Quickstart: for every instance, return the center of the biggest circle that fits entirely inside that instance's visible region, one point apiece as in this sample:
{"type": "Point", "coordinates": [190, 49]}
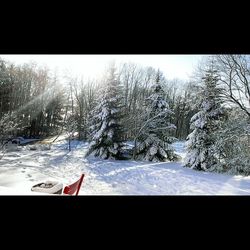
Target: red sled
{"type": "Point", "coordinates": [74, 188]}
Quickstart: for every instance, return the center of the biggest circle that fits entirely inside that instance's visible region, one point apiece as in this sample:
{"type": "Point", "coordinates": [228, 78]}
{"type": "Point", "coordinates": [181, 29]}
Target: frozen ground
{"type": "Point", "coordinates": [22, 168]}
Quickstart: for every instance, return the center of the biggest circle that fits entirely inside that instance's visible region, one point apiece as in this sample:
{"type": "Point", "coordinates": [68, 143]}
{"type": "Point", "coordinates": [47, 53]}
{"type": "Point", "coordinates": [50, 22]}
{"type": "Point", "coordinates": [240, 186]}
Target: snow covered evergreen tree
{"type": "Point", "coordinates": [201, 154]}
{"type": "Point", "coordinates": [153, 137]}
{"type": "Point", "coordinates": [106, 131]}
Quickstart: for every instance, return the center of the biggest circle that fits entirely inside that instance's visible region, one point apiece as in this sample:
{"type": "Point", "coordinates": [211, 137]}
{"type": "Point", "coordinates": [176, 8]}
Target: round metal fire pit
{"type": "Point", "coordinates": [50, 187]}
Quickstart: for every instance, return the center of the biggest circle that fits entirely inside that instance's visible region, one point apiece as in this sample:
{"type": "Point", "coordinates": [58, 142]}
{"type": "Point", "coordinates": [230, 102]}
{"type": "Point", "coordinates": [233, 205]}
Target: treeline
{"type": "Point", "coordinates": [31, 100]}
{"type": "Point", "coordinates": [135, 84]}
{"type": "Point", "coordinates": [35, 103]}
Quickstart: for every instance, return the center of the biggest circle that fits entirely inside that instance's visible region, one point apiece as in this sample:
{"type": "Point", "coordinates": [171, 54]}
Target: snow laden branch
{"type": "Point", "coordinates": [145, 124]}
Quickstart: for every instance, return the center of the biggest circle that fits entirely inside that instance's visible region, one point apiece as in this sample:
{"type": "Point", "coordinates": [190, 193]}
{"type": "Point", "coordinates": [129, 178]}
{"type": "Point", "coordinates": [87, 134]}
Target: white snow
{"type": "Point", "coordinates": [20, 170]}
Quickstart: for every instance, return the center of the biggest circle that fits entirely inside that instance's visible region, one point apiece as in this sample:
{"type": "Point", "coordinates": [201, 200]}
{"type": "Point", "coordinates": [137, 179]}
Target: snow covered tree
{"type": "Point", "coordinates": [200, 151]}
{"type": "Point", "coordinates": [233, 143]}
{"type": "Point", "coordinates": [106, 131]}
{"type": "Point", "coordinates": [154, 141]}
{"type": "Point", "coordinates": [8, 127]}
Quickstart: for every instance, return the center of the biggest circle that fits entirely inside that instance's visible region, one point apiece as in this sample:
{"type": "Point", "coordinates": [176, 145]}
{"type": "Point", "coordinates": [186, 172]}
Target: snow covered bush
{"type": "Point", "coordinates": [33, 147]}
{"type": "Point", "coordinates": [45, 147]}
{"type": "Point", "coordinates": [8, 126]}
{"type": "Point", "coordinates": [10, 147]}
{"type": "Point", "coordinates": [233, 144]}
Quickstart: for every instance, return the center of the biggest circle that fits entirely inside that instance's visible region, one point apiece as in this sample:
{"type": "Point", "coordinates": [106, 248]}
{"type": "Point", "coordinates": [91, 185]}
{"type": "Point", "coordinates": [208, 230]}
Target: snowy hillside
{"type": "Point", "coordinates": [23, 168]}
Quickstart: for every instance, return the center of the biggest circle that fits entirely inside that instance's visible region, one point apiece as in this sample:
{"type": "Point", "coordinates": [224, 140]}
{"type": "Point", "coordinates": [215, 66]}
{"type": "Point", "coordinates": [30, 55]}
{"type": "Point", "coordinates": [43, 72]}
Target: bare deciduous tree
{"type": "Point", "coordinates": [235, 80]}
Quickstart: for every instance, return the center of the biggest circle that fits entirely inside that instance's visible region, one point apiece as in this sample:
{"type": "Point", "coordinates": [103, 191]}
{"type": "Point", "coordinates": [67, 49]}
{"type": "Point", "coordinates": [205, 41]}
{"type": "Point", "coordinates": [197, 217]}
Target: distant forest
{"type": "Point", "coordinates": [34, 103]}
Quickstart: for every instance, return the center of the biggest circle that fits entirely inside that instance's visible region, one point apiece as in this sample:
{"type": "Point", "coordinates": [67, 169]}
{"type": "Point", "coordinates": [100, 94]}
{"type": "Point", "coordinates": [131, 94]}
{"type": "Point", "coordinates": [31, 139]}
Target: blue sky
{"type": "Point", "coordinates": [173, 66]}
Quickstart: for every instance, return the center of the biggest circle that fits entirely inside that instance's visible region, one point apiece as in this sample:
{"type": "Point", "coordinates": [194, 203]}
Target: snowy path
{"type": "Point", "coordinates": [22, 169]}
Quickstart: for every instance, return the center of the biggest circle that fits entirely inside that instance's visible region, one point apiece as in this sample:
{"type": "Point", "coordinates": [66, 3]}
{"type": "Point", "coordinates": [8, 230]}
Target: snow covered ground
{"type": "Point", "coordinates": [21, 169]}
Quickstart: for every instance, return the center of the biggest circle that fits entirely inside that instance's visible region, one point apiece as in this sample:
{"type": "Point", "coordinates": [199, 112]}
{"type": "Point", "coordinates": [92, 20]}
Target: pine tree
{"type": "Point", "coordinates": [106, 131]}
{"type": "Point", "coordinates": [201, 154]}
{"type": "Point", "coordinates": [154, 139]}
